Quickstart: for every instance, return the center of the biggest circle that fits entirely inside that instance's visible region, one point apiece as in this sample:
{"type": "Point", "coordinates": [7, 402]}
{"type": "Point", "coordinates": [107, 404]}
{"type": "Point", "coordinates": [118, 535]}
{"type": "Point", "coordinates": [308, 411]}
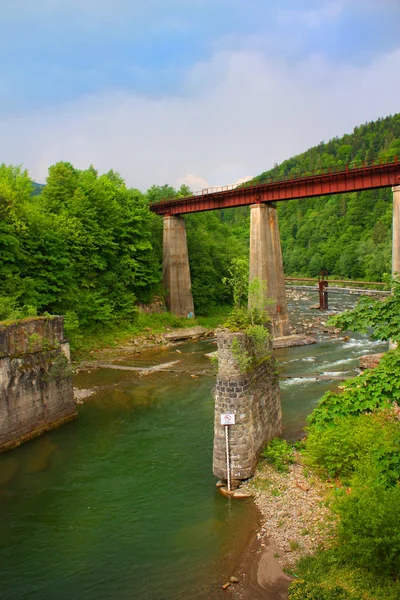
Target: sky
{"type": "Point", "coordinates": [201, 92]}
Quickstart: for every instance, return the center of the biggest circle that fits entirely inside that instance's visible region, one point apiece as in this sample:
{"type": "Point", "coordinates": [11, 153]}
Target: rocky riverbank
{"type": "Point", "coordinates": [145, 341]}
{"type": "Point", "coordinates": [306, 326]}
{"type": "Point", "coordinates": [295, 520]}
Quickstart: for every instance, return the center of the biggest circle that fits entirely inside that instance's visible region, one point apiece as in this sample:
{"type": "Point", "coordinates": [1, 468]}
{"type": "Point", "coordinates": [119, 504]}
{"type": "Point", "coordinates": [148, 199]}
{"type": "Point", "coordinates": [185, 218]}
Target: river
{"type": "Point", "coordinates": [121, 504]}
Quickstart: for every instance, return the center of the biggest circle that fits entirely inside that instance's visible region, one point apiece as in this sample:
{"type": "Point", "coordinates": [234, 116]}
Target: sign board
{"type": "Point", "coordinates": [227, 419]}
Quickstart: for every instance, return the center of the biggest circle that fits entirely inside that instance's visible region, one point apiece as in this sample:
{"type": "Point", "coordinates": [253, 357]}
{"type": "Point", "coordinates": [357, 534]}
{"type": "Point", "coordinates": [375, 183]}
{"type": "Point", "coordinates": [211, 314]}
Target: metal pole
{"type": "Point", "coordinates": [228, 470]}
{"type": "Point", "coordinates": [326, 296]}
{"type": "Point", "coordinates": [321, 294]}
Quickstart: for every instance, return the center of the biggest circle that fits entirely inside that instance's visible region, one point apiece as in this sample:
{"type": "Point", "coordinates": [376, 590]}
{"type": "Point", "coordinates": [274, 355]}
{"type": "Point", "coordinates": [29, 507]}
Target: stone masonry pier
{"type": "Point", "coordinates": [253, 397]}
{"type": "Point", "coordinates": [36, 392]}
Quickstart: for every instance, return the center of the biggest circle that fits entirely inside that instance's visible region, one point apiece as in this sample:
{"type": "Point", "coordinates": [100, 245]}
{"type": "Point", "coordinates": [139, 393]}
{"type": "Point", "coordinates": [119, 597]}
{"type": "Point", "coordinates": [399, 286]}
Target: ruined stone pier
{"type": "Point", "coordinates": [36, 392]}
{"type": "Point", "coordinates": [253, 397]}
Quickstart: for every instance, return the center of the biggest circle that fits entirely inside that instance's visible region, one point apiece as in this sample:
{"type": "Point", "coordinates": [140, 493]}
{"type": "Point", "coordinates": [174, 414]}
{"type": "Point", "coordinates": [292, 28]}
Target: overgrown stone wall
{"type": "Point", "coordinates": [36, 392]}
{"type": "Point", "coordinates": [253, 397]}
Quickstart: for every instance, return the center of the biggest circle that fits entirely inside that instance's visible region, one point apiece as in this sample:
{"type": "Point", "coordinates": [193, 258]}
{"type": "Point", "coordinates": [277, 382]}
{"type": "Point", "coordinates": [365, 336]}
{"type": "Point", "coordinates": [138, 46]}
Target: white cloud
{"type": "Point", "coordinates": [255, 113]}
{"type": "Point", "coordinates": [311, 18]}
{"type": "Point", "coordinates": [193, 181]}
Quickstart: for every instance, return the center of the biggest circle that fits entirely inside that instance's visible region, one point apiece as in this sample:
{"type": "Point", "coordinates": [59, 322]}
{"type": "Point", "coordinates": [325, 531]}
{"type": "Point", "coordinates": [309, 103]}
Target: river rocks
{"type": "Point", "coordinates": [288, 341]}
{"type": "Point", "coordinates": [370, 361]}
{"type": "Point", "coordinates": [80, 394]}
{"type": "Point", "coordinates": [293, 509]}
{"type": "Point", "coordinates": [189, 333]}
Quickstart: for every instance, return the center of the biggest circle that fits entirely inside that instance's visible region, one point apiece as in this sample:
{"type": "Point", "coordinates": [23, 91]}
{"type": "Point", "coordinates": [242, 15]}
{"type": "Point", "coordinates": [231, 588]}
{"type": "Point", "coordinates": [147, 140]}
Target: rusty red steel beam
{"type": "Point", "coordinates": [366, 177]}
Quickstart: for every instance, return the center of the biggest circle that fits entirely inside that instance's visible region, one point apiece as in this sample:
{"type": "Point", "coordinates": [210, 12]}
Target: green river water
{"type": "Point", "coordinates": [121, 504]}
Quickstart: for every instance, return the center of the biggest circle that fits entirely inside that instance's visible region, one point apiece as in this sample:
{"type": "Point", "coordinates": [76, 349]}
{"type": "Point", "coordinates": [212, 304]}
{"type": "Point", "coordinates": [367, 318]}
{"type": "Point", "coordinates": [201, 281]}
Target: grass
{"type": "Point", "coordinates": [325, 573]}
{"type": "Point", "coordinates": [294, 545]}
{"type": "Point", "coordinates": [84, 344]}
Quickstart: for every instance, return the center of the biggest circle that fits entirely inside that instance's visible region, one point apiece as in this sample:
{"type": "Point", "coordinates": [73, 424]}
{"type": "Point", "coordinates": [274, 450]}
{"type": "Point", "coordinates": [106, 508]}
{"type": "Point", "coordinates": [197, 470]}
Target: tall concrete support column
{"type": "Point", "coordinates": [266, 263]}
{"type": "Point", "coordinates": [396, 232]}
{"type": "Point", "coordinates": [395, 243]}
{"type": "Point", "coordinates": [176, 271]}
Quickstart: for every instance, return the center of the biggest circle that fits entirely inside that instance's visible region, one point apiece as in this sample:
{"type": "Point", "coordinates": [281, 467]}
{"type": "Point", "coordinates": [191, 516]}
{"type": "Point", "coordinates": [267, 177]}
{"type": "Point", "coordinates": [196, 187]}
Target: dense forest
{"type": "Point", "coordinates": [87, 246]}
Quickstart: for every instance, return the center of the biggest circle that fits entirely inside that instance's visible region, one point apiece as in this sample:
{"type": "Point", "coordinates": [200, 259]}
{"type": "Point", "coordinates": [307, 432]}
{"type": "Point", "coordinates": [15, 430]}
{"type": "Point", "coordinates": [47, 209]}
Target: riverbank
{"type": "Point", "coordinates": [336, 506]}
{"type": "Point", "coordinates": [295, 520]}
{"type": "Point", "coordinates": [164, 330]}
{"type": "Point", "coordinates": [152, 329]}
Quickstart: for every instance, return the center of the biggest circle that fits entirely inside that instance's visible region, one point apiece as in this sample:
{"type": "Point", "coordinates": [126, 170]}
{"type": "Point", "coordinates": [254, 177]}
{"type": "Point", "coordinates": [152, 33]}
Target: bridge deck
{"type": "Point", "coordinates": [366, 177]}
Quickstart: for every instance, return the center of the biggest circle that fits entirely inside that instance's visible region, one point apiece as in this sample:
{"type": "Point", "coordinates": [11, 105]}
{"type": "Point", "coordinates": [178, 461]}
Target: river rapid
{"type": "Point", "coordinates": [121, 504]}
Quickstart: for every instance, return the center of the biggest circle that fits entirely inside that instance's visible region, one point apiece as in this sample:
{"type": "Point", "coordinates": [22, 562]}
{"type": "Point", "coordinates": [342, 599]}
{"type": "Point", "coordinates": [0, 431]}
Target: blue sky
{"type": "Point", "coordinates": [156, 89]}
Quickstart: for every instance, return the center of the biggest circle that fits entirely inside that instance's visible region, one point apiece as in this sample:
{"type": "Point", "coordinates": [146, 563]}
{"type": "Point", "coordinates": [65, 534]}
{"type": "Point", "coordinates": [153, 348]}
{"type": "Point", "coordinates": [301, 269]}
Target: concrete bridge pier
{"type": "Point", "coordinates": [266, 263]}
{"type": "Point", "coordinates": [176, 271]}
{"type": "Point", "coordinates": [396, 232]}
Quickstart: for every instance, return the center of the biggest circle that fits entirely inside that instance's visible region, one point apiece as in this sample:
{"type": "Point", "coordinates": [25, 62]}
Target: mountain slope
{"type": "Point", "coordinates": [349, 234]}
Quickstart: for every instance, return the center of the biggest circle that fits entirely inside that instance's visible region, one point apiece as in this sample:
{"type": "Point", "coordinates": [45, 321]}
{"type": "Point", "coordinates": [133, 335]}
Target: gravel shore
{"type": "Point", "coordinates": [294, 511]}
{"type": "Point", "coordinates": [295, 521]}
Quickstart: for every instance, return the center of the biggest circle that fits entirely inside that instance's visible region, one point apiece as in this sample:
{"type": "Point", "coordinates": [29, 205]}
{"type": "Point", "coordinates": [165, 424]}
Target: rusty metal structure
{"type": "Point", "coordinates": [323, 290]}
{"type": "Point", "coordinates": [344, 281]}
{"type": "Point", "coordinates": [353, 178]}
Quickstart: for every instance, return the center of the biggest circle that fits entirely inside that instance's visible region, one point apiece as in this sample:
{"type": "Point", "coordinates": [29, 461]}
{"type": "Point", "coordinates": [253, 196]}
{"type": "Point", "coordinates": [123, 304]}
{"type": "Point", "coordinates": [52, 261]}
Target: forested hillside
{"type": "Point", "coordinates": [349, 235]}
{"type": "Point", "coordinates": [86, 246]}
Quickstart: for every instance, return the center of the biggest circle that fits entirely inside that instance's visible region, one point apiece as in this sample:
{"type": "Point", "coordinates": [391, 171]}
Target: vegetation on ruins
{"type": "Point", "coordinates": [248, 315]}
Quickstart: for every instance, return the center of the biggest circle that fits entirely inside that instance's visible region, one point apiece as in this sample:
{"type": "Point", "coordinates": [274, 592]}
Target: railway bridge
{"type": "Point", "coordinates": [265, 247]}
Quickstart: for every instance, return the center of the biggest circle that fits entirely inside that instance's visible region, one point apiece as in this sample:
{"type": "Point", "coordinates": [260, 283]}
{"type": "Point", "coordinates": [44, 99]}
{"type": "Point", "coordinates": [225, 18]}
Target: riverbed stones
{"type": "Point", "coordinates": [370, 361]}
{"type": "Point", "coordinates": [289, 341]}
{"type": "Point", "coordinates": [294, 510]}
{"type": "Point", "coordinates": [188, 333]}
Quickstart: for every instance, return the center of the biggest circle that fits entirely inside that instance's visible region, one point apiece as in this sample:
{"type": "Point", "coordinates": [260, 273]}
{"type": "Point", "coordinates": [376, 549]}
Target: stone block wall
{"type": "Point", "coordinates": [254, 399]}
{"type": "Point", "coordinates": [36, 392]}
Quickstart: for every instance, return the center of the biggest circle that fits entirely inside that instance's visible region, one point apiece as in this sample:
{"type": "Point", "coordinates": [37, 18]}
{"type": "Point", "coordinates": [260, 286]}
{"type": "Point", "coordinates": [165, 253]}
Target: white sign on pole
{"type": "Point", "coordinates": [227, 419]}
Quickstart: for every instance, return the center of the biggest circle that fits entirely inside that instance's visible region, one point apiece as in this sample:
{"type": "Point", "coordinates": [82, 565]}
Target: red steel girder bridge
{"type": "Point", "coordinates": [356, 178]}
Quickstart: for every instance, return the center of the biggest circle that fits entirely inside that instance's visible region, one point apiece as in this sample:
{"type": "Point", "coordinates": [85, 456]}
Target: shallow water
{"type": "Point", "coordinates": [301, 367]}
{"type": "Point", "coordinates": [121, 504]}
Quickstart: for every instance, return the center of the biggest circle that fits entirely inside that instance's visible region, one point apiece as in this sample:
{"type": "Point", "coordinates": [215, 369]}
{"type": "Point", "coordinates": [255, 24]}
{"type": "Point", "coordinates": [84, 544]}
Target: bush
{"type": "Point", "coordinates": [329, 576]}
{"type": "Point", "coordinates": [339, 449]}
{"type": "Point", "coordinates": [373, 390]}
{"type": "Point", "coordinates": [279, 454]}
{"type": "Point", "coordinates": [368, 531]}
{"type": "Point", "coordinates": [10, 310]}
